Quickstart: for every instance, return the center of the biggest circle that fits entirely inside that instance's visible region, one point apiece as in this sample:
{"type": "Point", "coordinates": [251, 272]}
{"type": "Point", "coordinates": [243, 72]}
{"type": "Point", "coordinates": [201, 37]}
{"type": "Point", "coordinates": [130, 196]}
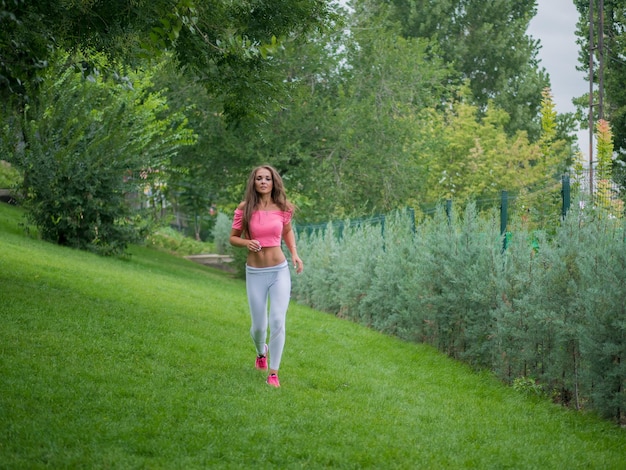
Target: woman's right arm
{"type": "Point", "coordinates": [236, 240]}
{"type": "Point", "coordinates": [237, 228]}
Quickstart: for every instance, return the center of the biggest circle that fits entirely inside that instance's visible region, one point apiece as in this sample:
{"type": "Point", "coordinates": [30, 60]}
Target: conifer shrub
{"type": "Point", "coordinates": [544, 309]}
{"type": "Point", "coordinates": [457, 282]}
{"type": "Point", "coordinates": [221, 234]}
{"type": "Point", "coordinates": [317, 285]}
{"type": "Point", "coordinates": [601, 268]}
{"type": "Point", "coordinates": [389, 303]}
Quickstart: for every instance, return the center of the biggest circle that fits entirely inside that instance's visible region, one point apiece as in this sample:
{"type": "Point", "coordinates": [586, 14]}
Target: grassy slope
{"type": "Point", "coordinates": [147, 363]}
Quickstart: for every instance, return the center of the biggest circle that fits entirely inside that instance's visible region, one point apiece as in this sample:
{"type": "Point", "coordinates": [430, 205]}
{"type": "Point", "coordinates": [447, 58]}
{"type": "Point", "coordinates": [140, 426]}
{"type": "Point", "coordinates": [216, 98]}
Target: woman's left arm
{"type": "Point", "coordinates": [290, 241]}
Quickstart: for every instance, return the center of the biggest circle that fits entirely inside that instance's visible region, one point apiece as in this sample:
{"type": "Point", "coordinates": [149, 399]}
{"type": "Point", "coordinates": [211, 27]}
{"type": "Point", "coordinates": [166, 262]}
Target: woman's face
{"type": "Point", "coordinates": [263, 182]}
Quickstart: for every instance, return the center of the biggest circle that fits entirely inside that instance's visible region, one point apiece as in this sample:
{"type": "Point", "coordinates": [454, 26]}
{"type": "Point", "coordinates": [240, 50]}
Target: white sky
{"type": "Point", "coordinates": [555, 26]}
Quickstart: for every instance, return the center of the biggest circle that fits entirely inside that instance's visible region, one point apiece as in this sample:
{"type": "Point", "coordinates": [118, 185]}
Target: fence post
{"type": "Point", "coordinates": [449, 209]}
{"type": "Point", "coordinates": [565, 195]}
{"type": "Point", "coordinates": [504, 207]}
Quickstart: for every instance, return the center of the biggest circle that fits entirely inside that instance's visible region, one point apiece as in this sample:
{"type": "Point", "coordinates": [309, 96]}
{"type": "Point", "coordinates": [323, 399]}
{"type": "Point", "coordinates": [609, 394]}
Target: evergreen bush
{"type": "Point", "coordinates": [221, 234]}
{"type": "Point", "coordinates": [547, 310]}
{"type": "Point", "coordinates": [318, 282]}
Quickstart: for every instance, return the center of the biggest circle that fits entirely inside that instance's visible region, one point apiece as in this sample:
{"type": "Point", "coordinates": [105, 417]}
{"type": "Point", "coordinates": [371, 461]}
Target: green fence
{"type": "Point", "coordinates": [607, 195]}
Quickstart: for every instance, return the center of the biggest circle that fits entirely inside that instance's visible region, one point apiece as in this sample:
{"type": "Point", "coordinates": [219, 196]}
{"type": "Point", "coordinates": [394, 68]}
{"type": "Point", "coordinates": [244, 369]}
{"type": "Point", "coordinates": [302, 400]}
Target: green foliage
{"type": "Point", "coordinates": [372, 169]}
{"type": "Point", "coordinates": [469, 158]}
{"type": "Point", "coordinates": [380, 121]}
{"type": "Point", "coordinates": [221, 234]}
{"type": "Point", "coordinates": [458, 284]}
{"type": "Point", "coordinates": [601, 280]}
{"type": "Point", "coordinates": [548, 308]}
{"type": "Point", "coordinates": [9, 176]}
{"type": "Point", "coordinates": [202, 175]}
{"type": "Point", "coordinates": [228, 43]}
{"type": "Point", "coordinates": [540, 194]}
{"type": "Point", "coordinates": [488, 47]}
{"type": "Point", "coordinates": [25, 47]}
{"type": "Point", "coordinates": [528, 386]}
{"type": "Point", "coordinates": [605, 194]}
{"type": "Point", "coordinates": [360, 118]}
{"type": "Point", "coordinates": [240, 256]}
{"type": "Point", "coordinates": [174, 242]}
{"type": "Point", "coordinates": [614, 70]}
{"type": "Point", "coordinates": [91, 147]}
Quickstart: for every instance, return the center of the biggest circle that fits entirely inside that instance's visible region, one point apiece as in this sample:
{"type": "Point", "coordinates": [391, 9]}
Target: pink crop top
{"type": "Point", "coordinates": [264, 226]}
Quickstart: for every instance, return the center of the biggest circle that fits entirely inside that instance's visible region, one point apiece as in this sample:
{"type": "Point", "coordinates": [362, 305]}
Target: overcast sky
{"type": "Point", "coordinates": [555, 26]}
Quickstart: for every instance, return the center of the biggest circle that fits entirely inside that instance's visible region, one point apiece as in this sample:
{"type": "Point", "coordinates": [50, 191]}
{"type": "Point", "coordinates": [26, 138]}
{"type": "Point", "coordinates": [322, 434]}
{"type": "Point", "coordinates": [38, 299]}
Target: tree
{"type": "Point", "coordinates": [225, 42]}
{"type": "Point", "coordinates": [342, 135]}
{"type": "Point", "coordinates": [613, 71]}
{"type": "Point", "coordinates": [372, 125]}
{"type": "Point", "coordinates": [488, 47]}
{"type": "Point", "coordinates": [92, 146]}
{"type": "Point", "coordinates": [605, 195]}
{"type": "Point", "coordinates": [201, 175]}
{"type": "Point", "coordinates": [223, 46]}
{"type": "Point", "coordinates": [469, 157]}
{"type": "Point", "coordinates": [542, 200]}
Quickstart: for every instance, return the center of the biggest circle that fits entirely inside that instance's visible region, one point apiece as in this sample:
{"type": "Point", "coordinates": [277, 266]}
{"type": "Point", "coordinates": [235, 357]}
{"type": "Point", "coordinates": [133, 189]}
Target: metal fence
{"type": "Point", "coordinates": [559, 195]}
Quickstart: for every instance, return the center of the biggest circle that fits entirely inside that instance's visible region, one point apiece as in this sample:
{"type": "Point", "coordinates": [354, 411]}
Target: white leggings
{"type": "Point", "coordinates": [272, 283]}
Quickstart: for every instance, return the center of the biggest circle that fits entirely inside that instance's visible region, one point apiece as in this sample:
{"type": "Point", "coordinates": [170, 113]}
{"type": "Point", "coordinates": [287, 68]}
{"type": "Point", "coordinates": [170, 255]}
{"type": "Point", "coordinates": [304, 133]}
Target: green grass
{"type": "Point", "coordinates": [147, 363]}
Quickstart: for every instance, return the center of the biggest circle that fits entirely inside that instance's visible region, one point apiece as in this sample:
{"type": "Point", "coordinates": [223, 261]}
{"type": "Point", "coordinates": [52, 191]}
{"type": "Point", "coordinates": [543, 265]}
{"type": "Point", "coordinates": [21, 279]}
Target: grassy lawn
{"type": "Point", "coordinates": [146, 362]}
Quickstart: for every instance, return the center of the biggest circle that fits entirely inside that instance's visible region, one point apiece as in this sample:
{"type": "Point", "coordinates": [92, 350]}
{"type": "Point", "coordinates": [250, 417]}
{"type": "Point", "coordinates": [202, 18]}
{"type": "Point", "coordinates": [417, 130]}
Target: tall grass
{"type": "Point", "coordinates": [146, 362]}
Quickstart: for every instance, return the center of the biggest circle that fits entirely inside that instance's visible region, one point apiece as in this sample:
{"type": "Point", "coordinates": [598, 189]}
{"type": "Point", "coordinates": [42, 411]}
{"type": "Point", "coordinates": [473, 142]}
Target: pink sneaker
{"type": "Point", "coordinates": [272, 380]}
{"type": "Point", "coordinates": [261, 361]}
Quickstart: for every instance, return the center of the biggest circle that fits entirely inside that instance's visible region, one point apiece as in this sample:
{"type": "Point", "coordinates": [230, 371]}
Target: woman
{"type": "Point", "coordinates": [261, 221]}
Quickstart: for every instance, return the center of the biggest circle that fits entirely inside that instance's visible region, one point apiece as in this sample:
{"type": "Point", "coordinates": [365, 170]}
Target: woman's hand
{"type": "Point", "coordinates": [254, 246]}
{"type": "Point", "coordinates": [297, 264]}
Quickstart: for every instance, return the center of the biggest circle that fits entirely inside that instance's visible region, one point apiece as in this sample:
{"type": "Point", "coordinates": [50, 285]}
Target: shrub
{"type": "Point", "coordinates": [551, 308]}
{"type": "Point", "coordinates": [174, 242]}
{"type": "Point", "coordinates": [91, 147]}
{"type": "Point", "coordinates": [9, 176]}
{"type": "Point", "coordinates": [221, 234]}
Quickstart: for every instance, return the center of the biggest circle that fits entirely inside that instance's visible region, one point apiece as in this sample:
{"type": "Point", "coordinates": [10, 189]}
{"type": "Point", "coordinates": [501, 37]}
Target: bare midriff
{"type": "Point", "coordinates": [266, 258]}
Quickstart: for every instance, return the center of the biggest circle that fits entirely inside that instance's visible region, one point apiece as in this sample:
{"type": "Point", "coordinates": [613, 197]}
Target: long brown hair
{"type": "Point", "coordinates": [252, 198]}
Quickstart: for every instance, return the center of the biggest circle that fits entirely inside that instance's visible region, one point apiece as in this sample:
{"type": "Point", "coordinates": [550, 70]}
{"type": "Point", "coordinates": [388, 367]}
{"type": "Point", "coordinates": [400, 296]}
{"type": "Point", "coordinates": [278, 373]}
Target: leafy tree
{"type": "Point", "coordinates": [370, 126]}
{"type": "Point", "coordinates": [466, 157]}
{"type": "Point", "coordinates": [469, 159]}
{"type": "Point", "coordinates": [342, 135]}
{"type": "Point", "coordinates": [91, 147]}
{"type": "Point", "coordinates": [198, 176]}
{"type": "Point", "coordinates": [488, 47]}
{"type": "Point", "coordinates": [391, 80]}
{"type": "Point", "coordinates": [9, 176]}
{"type": "Point", "coordinates": [223, 46]}
{"type": "Point", "coordinates": [541, 199]}
{"type": "Point", "coordinates": [614, 71]}
{"type": "Point", "coordinates": [225, 42]}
